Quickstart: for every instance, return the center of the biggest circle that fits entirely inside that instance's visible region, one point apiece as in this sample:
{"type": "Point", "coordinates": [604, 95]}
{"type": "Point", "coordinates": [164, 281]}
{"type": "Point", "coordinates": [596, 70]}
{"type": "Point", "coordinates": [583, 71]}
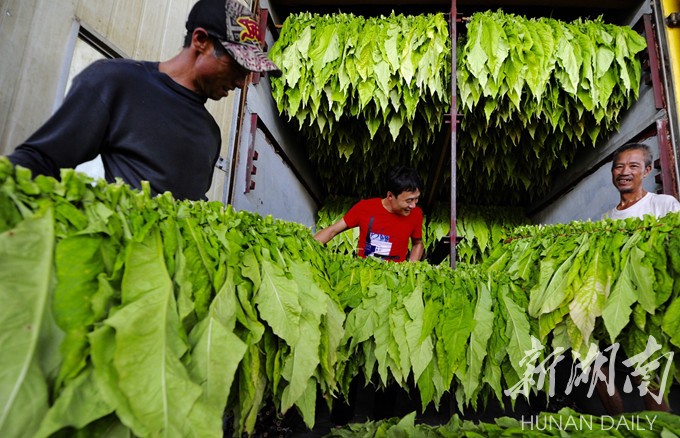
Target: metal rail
{"type": "Point", "coordinates": [454, 111]}
{"type": "Point", "coordinates": [654, 67]}
{"type": "Point", "coordinates": [668, 177]}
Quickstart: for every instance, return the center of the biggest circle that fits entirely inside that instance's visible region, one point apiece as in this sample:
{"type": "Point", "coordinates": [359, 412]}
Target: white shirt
{"type": "Point", "coordinates": [651, 203]}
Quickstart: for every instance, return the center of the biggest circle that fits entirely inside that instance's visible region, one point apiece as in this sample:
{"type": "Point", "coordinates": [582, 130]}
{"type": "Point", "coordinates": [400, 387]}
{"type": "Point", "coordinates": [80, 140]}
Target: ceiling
{"type": "Point", "coordinates": [614, 10]}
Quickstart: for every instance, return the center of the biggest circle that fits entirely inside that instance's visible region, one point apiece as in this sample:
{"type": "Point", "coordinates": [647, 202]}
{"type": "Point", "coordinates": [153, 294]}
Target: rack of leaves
{"type": "Point", "coordinates": [480, 228]}
{"type": "Point", "coordinates": [368, 93]}
{"type": "Point", "coordinates": [608, 281]}
{"type": "Point", "coordinates": [533, 92]}
{"type": "Point", "coordinates": [444, 330]}
{"type": "Point", "coordinates": [566, 422]}
{"type": "Point", "coordinates": [131, 314]}
{"type": "Point", "coordinates": [127, 313]}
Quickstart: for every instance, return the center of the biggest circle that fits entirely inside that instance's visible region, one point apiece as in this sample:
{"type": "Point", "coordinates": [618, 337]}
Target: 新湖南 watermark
{"type": "Point", "coordinates": [590, 370]}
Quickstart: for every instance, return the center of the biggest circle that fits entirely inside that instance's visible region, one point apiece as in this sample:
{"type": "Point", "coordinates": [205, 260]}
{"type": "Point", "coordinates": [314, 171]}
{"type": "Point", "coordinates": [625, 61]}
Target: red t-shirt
{"type": "Point", "coordinates": [390, 232]}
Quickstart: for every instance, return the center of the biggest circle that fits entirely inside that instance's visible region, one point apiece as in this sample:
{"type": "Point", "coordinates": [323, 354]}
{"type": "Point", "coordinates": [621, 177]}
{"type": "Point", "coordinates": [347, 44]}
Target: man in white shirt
{"type": "Point", "coordinates": [631, 164]}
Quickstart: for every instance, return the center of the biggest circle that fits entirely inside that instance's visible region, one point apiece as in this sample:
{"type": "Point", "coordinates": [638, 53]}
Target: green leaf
{"type": "Point", "coordinates": [398, 353]}
{"type": "Point", "coordinates": [23, 385]}
{"type": "Point", "coordinates": [453, 332]}
{"type": "Point", "coordinates": [589, 300]}
{"type": "Point", "coordinates": [421, 351]}
{"type": "Point", "coordinates": [518, 332]}
{"type": "Point", "coordinates": [617, 309]}
{"type": "Point", "coordinates": [481, 333]}
{"type": "Point", "coordinates": [252, 384]}
{"type": "Point", "coordinates": [216, 351]}
{"type": "Point", "coordinates": [304, 356]}
{"type": "Point", "coordinates": [147, 337]}
{"type": "Point", "coordinates": [79, 404]}
{"type": "Point", "coordinates": [278, 302]}
{"type": "Point", "coordinates": [103, 345]}
{"type": "Point", "coordinates": [78, 262]}
{"type": "Point", "coordinates": [307, 403]}
{"type": "Point", "coordinates": [569, 75]}
{"type": "Point", "coordinates": [671, 322]}
{"type": "Point", "coordinates": [644, 277]}
{"type": "Point", "coordinates": [333, 331]}
{"type": "Point", "coordinates": [377, 316]}
{"type": "Point", "coordinates": [476, 56]}
{"type": "Point", "coordinates": [550, 293]}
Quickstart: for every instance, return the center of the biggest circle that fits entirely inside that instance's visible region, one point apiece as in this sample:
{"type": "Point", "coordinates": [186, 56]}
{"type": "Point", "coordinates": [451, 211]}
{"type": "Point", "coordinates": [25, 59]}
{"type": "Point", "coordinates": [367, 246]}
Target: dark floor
{"type": "Point", "coordinates": [367, 404]}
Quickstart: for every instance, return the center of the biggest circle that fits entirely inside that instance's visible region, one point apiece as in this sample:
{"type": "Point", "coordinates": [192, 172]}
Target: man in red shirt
{"type": "Point", "coordinates": [386, 224]}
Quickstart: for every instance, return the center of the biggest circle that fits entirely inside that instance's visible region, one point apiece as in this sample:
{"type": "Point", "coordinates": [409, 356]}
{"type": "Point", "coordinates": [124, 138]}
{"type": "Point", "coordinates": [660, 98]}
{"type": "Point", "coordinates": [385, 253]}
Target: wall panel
{"type": "Point", "coordinates": [173, 30]}
{"type": "Point", "coordinates": [125, 23]}
{"type": "Point", "coordinates": [33, 44]}
{"type": "Point", "coordinates": [149, 34]}
{"type": "Point", "coordinates": [96, 13]}
{"type": "Point", "coordinates": [15, 24]}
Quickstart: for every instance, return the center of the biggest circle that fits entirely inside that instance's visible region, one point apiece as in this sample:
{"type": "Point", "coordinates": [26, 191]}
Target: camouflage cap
{"type": "Point", "coordinates": [236, 28]}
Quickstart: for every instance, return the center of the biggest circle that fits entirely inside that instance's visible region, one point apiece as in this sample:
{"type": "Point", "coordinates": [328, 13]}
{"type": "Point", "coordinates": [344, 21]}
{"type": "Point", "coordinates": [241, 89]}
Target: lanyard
{"type": "Point", "coordinates": [368, 243]}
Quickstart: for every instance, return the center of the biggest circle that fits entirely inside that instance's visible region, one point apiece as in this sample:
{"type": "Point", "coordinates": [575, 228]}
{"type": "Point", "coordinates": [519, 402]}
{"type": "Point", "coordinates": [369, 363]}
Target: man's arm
{"type": "Point", "coordinates": [70, 136]}
{"type": "Point", "coordinates": [35, 161]}
{"type": "Point", "coordinates": [417, 249]}
{"type": "Point", "coordinates": [328, 233]}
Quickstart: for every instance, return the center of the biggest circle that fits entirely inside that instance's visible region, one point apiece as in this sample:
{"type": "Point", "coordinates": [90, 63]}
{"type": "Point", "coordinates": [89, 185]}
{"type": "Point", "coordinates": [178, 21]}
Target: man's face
{"type": "Point", "coordinates": [219, 73]}
{"type": "Point", "coordinates": [628, 171]}
{"type": "Point", "coordinates": [404, 202]}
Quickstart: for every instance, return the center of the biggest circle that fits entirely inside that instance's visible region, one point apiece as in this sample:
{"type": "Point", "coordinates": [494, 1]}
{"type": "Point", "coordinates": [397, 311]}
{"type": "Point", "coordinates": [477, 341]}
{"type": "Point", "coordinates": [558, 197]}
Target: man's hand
{"type": "Point", "coordinates": [328, 233]}
{"type": "Point", "coordinates": [417, 249]}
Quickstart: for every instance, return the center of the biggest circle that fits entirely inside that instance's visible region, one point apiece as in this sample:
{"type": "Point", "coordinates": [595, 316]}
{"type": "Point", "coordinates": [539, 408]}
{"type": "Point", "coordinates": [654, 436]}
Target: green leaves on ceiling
{"type": "Point", "coordinates": [368, 93]}
{"type": "Point", "coordinates": [533, 92]}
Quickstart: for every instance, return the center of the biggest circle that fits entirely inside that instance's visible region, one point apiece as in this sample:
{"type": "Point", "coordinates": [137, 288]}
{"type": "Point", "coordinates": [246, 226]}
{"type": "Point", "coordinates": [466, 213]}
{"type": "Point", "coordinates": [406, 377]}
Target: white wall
{"type": "Point", "coordinates": [594, 194]}
{"type": "Point", "coordinates": [279, 188]}
{"type": "Point", "coordinates": [588, 200]}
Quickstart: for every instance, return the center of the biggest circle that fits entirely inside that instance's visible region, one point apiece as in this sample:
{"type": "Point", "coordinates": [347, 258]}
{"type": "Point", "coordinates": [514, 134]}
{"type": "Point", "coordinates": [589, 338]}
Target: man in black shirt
{"type": "Point", "coordinates": [148, 120]}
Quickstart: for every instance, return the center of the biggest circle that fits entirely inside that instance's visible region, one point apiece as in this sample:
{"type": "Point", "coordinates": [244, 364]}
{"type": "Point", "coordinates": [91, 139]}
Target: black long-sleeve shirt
{"type": "Point", "coordinates": [144, 124]}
